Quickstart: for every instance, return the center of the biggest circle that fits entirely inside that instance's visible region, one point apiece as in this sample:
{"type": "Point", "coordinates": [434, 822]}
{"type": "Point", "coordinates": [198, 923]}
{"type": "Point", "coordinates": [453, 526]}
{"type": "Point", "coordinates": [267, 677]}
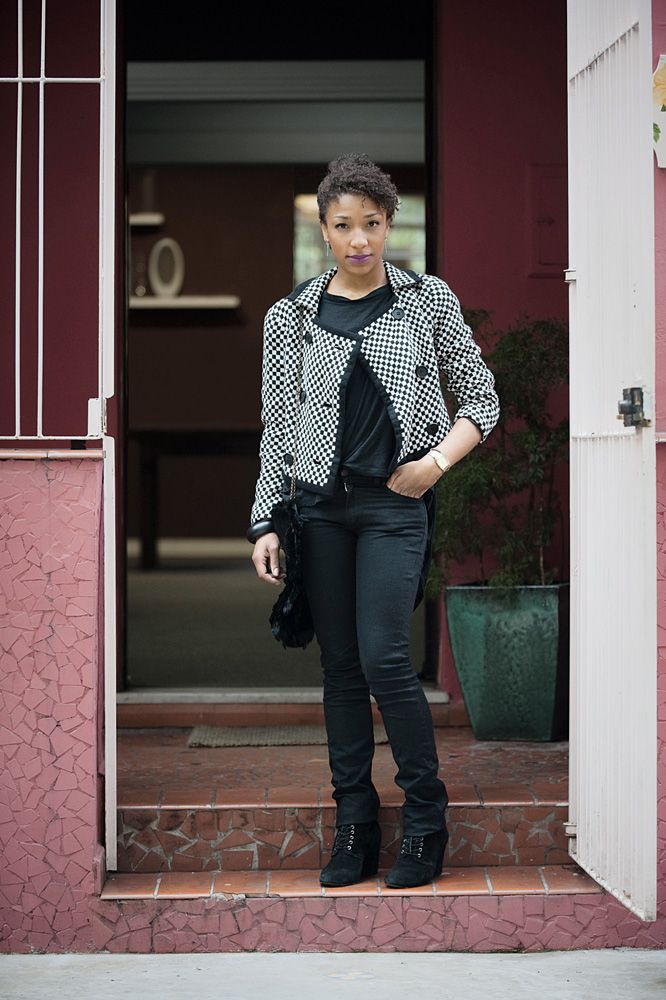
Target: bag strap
{"type": "Point", "coordinates": [299, 382]}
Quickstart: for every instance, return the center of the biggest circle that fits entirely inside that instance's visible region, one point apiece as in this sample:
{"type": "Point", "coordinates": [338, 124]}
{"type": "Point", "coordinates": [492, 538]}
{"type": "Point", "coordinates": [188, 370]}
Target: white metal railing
{"type": "Point", "coordinates": [96, 422]}
{"type": "Point", "coordinates": [105, 81]}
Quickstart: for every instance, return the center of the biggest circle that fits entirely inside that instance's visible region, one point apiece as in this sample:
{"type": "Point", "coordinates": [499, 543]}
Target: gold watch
{"type": "Point", "coordinates": [441, 459]}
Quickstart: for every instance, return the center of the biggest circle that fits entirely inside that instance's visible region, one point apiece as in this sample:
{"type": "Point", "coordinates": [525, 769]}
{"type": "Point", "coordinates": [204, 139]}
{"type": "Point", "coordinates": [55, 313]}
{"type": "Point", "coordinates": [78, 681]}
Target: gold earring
{"type": "Point", "coordinates": [327, 246]}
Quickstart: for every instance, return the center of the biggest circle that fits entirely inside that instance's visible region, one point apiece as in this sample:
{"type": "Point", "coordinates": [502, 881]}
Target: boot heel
{"type": "Point", "coordinates": [371, 861]}
{"type": "Point", "coordinates": [440, 863]}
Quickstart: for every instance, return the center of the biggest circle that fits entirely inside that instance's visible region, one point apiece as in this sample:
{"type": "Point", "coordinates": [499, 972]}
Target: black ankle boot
{"type": "Point", "coordinates": [419, 861]}
{"type": "Point", "coordinates": [355, 854]}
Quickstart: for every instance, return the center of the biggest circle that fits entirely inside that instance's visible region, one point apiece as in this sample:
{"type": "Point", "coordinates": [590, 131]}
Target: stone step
{"type": "Point", "coordinates": [292, 829]}
{"type": "Point", "coordinates": [467, 909]}
{"type": "Point", "coordinates": [485, 880]}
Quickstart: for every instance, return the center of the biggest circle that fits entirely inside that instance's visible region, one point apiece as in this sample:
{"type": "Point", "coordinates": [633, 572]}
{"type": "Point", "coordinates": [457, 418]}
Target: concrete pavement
{"type": "Point", "coordinates": [622, 974]}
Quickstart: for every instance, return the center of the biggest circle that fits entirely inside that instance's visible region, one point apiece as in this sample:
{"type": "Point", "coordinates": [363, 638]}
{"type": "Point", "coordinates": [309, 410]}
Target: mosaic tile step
{"type": "Point", "coordinates": [487, 880]}
{"type": "Point", "coordinates": [235, 836]}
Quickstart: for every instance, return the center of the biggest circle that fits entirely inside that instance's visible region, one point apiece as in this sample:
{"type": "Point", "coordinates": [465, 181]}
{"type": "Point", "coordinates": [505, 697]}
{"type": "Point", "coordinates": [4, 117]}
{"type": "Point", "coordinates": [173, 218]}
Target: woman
{"type": "Point", "coordinates": [367, 440]}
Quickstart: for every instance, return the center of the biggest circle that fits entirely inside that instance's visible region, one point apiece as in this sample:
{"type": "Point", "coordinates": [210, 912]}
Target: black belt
{"type": "Point", "coordinates": [352, 479]}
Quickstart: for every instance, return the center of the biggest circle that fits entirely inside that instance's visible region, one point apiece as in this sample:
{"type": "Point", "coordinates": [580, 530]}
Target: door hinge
{"type": "Point", "coordinates": [635, 407]}
{"type": "Point", "coordinates": [96, 417]}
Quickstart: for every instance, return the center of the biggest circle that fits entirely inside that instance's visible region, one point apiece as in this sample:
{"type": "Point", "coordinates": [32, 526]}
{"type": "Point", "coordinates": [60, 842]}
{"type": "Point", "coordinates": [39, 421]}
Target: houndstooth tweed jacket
{"type": "Point", "coordinates": [405, 349]}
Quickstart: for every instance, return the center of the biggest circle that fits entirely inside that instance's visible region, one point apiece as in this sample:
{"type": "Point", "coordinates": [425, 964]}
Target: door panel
{"type": "Point", "coordinates": [613, 495]}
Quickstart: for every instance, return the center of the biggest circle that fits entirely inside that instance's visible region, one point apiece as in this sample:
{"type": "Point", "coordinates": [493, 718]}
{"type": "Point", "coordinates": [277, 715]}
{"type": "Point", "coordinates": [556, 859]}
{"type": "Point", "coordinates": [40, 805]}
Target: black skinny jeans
{"type": "Point", "coordinates": [362, 556]}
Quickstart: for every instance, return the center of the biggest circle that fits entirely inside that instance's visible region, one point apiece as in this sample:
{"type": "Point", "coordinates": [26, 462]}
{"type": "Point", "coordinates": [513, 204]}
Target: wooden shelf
{"type": "Point", "coordinates": [146, 219]}
{"type": "Point", "coordinates": [185, 302]}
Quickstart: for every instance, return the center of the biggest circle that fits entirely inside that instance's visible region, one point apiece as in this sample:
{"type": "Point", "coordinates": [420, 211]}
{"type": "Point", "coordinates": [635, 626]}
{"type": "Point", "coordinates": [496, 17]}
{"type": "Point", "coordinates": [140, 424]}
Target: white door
{"type": "Point", "coordinates": [613, 792]}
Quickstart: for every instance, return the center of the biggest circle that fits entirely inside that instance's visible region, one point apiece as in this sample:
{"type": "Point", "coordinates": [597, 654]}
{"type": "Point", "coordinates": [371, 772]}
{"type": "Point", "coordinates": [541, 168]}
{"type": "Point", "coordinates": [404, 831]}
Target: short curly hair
{"type": "Point", "coordinates": [355, 173]}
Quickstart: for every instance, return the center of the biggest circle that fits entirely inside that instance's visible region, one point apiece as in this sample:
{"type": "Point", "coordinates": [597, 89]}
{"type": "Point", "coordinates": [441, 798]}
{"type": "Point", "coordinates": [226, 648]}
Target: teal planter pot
{"type": "Point", "coordinates": [512, 657]}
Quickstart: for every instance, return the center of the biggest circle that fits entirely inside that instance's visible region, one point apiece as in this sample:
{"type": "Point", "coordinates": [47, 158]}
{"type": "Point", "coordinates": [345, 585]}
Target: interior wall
{"type": "Point", "coordinates": [202, 370]}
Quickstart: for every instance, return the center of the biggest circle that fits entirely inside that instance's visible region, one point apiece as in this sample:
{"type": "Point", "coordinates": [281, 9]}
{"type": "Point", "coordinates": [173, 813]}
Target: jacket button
{"type": "Point", "coordinates": [308, 338]}
{"type": "Point", "coordinates": [288, 458]}
{"type": "Point", "coordinates": [432, 428]}
{"type": "Point", "coordinates": [302, 396]}
{"type": "Point", "coordinates": [398, 313]}
{"type": "Point", "coordinates": [421, 371]}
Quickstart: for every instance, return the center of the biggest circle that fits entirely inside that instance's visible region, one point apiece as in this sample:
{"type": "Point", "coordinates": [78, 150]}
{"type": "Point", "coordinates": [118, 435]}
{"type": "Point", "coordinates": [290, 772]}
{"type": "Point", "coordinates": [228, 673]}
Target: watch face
{"type": "Point", "coordinates": [442, 460]}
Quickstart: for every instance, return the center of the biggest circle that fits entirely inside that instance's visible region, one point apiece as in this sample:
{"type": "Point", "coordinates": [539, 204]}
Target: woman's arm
{"type": "Point", "coordinates": [271, 448]}
{"type": "Point", "coordinates": [468, 378]}
{"type": "Point", "coordinates": [413, 478]}
{"type": "Point", "coordinates": [266, 558]}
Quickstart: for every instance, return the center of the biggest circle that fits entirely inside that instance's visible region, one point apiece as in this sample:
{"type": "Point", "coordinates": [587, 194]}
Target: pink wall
{"type": "Point", "coordinates": [659, 46]}
{"type": "Point", "coordinates": [502, 117]}
{"type": "Point", "coordinates": [49, 646]}
{"type": "Point", "coordinates": [502, 113]}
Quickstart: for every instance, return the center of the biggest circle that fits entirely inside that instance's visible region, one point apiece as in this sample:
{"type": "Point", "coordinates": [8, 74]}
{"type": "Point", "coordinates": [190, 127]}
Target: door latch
{"type": "Point", "coordinates": [634, 408]}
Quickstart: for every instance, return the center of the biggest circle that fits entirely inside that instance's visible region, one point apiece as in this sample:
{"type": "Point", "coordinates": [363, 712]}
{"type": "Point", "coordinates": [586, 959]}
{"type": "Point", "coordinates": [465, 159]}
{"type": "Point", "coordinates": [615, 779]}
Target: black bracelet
{"type": "Point", "coordinates": [258, 529]}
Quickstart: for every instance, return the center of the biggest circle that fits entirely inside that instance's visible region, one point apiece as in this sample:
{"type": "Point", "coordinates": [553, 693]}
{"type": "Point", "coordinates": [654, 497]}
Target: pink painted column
{"type": "Point", "coordinates": [50, 517]}
{"type": "Point", "coordinates": [659, 46]}
{"type": "Point", "coordinates": [493, 127]}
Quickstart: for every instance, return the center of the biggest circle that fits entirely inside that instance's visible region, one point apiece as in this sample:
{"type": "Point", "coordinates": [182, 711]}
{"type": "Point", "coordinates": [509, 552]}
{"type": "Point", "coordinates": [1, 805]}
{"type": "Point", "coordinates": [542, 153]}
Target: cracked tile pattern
{"type": "Point", "coordinates": [235, 839]}
{"type": "Point", "coordinates": [369, 923]}
{"type": "Point", "coordinates": [49, 546]}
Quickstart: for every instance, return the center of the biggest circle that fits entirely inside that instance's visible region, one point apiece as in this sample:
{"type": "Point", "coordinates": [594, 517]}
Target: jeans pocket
{"type": "Point", "coordinates": [403, 496]}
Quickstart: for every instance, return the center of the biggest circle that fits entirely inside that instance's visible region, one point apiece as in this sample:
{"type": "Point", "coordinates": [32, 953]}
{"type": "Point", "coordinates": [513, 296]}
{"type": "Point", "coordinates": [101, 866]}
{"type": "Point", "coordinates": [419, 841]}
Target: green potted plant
{"type": "Point", "coordinates": [498, 512]}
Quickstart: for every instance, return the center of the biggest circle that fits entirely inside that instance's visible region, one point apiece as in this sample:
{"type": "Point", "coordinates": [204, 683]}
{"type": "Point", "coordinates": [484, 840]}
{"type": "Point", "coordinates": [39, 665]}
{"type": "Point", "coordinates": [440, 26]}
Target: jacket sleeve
{"type": "Point", "coordinates": [271, 448]}
{"type": "Point", "coordinates": [459, 357]}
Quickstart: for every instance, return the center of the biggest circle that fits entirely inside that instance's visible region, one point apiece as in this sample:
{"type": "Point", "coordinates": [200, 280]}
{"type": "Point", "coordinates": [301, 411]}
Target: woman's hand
{"type": "Point", "coordinates": [413, 479]}
{"type": "Point", "coordinates": [266, 558]}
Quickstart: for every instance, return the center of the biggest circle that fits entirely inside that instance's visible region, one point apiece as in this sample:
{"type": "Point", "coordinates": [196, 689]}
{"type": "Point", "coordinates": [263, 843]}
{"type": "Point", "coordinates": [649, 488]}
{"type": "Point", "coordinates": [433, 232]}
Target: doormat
{"type": "Point", "coordinates": [264, 736]}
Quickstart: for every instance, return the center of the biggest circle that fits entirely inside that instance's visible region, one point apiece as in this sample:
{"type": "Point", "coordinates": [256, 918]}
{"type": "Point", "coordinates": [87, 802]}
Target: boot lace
{"type": "Point", "coordinates": [344, 838]}
{"type": "Point", "coordinates": [412, 845]}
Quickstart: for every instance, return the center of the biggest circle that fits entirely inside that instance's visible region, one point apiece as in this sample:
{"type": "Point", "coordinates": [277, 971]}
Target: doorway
{"type": "Point", "coordinates": [224, 141]}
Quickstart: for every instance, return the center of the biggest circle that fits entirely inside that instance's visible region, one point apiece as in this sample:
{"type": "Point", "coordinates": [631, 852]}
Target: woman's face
{"type": "Point", "coordinates": [356, 229]}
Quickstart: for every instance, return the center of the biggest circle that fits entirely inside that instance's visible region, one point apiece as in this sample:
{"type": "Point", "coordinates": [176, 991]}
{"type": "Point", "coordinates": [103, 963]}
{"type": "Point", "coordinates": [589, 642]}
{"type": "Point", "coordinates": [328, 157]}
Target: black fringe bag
{"type": "Point", "coordinates": [291, 620]}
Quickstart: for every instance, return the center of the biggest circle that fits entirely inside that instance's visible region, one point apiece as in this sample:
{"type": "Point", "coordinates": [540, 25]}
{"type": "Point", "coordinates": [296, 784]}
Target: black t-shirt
{"type": "Point", "coordinates": [368, 439]}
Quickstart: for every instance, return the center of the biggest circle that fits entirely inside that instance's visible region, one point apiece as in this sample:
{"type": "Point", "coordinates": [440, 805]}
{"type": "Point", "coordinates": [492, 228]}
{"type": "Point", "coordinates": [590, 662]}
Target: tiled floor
{"type": "Point", "coordinates": [155, 766]}
{"type": "Point", "coordinates": [482, 881]}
